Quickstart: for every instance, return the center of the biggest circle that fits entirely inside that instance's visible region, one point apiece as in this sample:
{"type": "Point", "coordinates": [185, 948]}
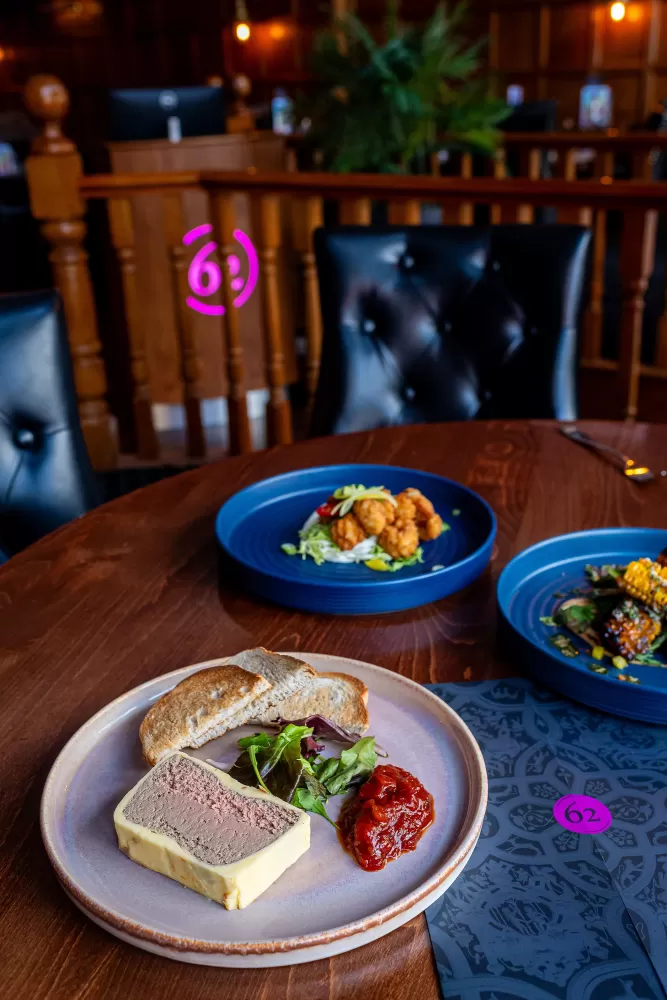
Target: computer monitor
{"type": "Point", "coordinates": [532, 116]}
{"type": "Point", "coordinates": [171, 113]}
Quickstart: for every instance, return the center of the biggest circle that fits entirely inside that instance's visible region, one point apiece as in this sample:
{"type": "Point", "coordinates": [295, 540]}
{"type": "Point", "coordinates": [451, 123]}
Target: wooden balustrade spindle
{"type": "Point", "coordinates": [567, 169]}
{"type": "Point", "coordinates": [309, 217]}
{"type": "Point", "coordinates": [531, 166]}
{"type": "Point", "coordinates": [279, 412]}
{"type": "Point", "coordinates": [404, 213]}
{"type": "Point", "coordinates": [637, 259]}
{"type": "Point", "coordinates": [122, 237]}
{"type": "Point", "coordinates": [175, 228]}
{"type": "Point", "coordinates": [355, 212]}
{"type": "Point", "coordinates": [466, 213]}
{"type": "Point", "coordinates": [224, 224]}
{"type": "Point", "coordinates": [642, 167]}
{"type": "Point", "coordinates": [53, 172]}
{"type": "Point", "coordinates": [499, 173]}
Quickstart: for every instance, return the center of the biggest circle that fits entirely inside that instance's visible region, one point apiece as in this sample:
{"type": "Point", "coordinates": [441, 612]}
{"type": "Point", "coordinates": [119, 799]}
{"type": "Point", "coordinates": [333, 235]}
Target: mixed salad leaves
{"type": "Point", "coordinates": [290, 764]}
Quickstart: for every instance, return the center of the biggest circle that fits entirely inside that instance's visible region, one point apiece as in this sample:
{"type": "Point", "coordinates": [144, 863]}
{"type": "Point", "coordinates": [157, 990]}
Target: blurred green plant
{"type": "Point", "coordinates": [386, 107]}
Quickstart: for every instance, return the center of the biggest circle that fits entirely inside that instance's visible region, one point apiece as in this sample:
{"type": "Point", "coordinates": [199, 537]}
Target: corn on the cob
{"type": "Point", "coordinates": [630, 629]}
{"type": "Point", "coordinates": [647, 581]}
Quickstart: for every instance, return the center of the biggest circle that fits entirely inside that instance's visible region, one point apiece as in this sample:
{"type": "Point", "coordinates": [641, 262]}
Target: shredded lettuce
{"type": "Point", "coordinates": [393, 565]}
{"type": "Point", "coordinates": [416, 557]}
{"type": "Point", "coordinates": [348, 496]}
{"type": "Point", "coordinates": [315, 541]}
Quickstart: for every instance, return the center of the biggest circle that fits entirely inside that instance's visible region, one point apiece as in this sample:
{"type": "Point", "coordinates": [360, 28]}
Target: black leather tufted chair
{"type": "Point", "coordinates": [45, 475]}
{"type": "Point", "coordinates": [448, 323]}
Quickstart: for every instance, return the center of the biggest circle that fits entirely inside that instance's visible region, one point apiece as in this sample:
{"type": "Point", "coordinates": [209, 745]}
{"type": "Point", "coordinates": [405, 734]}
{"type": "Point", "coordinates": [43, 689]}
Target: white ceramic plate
{"type": "Point", "coordinates": [325, 904]}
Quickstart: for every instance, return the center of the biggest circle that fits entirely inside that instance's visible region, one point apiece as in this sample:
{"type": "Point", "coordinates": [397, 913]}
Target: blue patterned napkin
{"type": "Point", "coordinates": [541, 913]}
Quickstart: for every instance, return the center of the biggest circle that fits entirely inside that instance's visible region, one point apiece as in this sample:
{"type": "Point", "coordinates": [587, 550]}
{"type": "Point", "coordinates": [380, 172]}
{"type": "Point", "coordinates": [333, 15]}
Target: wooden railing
{"type": "Point", "coordinates": [60, 193]}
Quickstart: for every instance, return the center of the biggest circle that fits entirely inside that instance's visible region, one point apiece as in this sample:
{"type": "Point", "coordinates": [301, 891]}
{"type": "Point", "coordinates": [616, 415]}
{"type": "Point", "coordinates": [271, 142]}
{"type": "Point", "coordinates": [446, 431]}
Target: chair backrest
{"type": "Point", "coordinates": [45, 474]}
{"type": "Point", "coordinates": [430, 323]}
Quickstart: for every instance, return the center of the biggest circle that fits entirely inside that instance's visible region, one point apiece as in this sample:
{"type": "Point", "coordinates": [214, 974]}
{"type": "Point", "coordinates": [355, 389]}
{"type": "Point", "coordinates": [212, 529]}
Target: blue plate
{"type": "Point", "coordinates": [254, 523]}
{"type": "Point", "coordinates": [526, 590]}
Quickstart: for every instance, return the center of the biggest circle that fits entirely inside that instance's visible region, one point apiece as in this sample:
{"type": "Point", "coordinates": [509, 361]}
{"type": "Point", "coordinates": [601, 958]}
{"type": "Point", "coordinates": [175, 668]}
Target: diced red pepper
{"type": "Point", "coordinates": [326, 510]}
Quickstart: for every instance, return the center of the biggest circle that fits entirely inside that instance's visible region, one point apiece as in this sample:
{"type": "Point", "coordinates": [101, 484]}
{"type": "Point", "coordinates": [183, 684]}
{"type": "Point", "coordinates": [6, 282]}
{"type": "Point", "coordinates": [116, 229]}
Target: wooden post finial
{"type": "Point", "coordinates": [242, 88]}
{"type": "Point", "coordinates": [53, 172]}
{"type": "Point", "coordinates": [47, 99]}
{"type": "Point", "coordinates": [242, 120]}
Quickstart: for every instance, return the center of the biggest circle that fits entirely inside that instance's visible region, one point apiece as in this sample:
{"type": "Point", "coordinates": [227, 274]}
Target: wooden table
{"type": "Point", "coordinates": [132, 591]}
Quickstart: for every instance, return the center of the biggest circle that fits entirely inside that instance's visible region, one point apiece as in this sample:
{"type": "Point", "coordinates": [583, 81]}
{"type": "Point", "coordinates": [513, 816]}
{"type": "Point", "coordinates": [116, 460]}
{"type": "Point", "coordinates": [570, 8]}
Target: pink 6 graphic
{"type": "Point", "coordinates": [205, 277]}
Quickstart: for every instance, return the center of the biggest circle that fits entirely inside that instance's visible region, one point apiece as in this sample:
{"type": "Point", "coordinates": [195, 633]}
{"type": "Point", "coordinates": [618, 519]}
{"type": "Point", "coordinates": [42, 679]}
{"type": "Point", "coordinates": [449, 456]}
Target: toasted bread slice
{"type": "Point", "coordinates": [198, 709]}
{"type": "Point", "coordinates": [211, 702]}
{"type": "Point", "coordinates": [286, 674]}
{"type": "Point", "coordinates": [338, 697]}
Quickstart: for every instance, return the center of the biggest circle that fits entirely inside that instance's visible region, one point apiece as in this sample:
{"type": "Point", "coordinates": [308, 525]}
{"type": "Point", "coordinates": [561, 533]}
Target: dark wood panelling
{"type": "Point", "coordinates": [625, 43]}
{"type": "Point", "coordinates": [144, 43]}
{"type": "Point", "coordinates": [627, 90]}
{"type": "Point", "coordinates": [549, 48]}
{"type": "Point", "coordinates": [518, 39]}
{"type": "Point", "coordinates": [565, 91]}
{"type": "Point", "coordinates": [570, 37]}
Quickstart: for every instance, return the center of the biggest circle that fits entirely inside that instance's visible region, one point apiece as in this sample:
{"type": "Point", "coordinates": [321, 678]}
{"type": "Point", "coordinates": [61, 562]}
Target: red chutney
{"type": "Point", "coordinates": [387, 817]}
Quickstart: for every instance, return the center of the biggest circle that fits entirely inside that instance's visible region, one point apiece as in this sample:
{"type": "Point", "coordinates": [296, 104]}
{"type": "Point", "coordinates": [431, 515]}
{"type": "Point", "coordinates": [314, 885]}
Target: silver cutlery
{"type": "Point", "coordinates": [625, 464]}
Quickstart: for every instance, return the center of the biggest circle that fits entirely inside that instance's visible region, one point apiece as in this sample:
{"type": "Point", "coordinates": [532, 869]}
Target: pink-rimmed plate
{"type": "Point", "coordinates": [325, 904]}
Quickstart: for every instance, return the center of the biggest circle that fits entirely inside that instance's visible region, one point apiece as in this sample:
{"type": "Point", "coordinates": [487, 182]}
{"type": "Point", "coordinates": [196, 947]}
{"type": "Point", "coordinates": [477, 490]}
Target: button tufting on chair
{"type": "Point", "coordinates": [45, 475]}
{"type": "Point", "coordinates": [25, 438]}
{"type": "Point", "coordinates": [477, 322]}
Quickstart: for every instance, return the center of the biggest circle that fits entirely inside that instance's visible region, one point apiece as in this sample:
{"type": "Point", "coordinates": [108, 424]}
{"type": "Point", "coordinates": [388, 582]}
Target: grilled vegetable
{"type": "Point", "coordinates": [647, 581]}
{"type": "Point", "coordinates": [630, 629]}
{"type": "Point", "coordinates": [564, 645]}
{"type": "Point", "coordinates": [576, 614]}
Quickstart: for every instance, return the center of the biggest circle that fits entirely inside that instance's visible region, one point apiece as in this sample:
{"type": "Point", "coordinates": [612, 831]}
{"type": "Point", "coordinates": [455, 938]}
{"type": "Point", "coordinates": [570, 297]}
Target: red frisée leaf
{"type": "Point", "coordinates": [310, 747]}
{"type": "Point", "coordinates": [326, 729]}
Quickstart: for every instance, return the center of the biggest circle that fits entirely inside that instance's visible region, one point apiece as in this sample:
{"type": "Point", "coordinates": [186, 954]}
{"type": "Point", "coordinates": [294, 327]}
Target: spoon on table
{"type": "Point", "coordinates": [626, 465]}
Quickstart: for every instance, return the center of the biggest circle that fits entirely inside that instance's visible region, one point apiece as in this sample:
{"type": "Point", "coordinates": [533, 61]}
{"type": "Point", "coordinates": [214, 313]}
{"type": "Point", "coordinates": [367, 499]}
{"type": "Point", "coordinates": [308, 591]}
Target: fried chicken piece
{"type": "Point", "coordinates": [430, 529]}
{"type": "Point", "coordinates": [423, 507]}
{"type": "Point", "coordinates": [374, 515]}
{"type": "Point", "coordinates": [390, 511]}
{"type": "Point", "coordinates": [347, 532]}
{"type": "Point", "coordinates": [405, 508]}
{"type": "Point", "coordinates": [400, 540]}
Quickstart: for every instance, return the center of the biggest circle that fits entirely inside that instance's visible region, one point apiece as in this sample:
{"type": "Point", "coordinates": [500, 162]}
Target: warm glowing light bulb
{"type": "Point", "coordinates": [242, 31]}
{"type": "Point", "coordinates": [617, 11]}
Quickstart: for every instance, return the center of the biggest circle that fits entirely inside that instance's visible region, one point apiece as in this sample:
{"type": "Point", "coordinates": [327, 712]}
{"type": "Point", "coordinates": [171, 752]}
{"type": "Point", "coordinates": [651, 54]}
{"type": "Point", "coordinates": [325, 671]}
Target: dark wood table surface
{"type": "Point", "coordinates": [132, 591]}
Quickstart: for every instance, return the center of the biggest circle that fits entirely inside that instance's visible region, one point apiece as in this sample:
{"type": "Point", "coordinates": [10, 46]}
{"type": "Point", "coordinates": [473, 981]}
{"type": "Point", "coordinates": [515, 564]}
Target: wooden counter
{"type": "Point", "coordinates": [262, 150]}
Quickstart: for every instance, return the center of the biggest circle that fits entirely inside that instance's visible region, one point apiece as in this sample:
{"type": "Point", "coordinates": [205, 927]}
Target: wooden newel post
{"type": "Point", "coordinates": [54, 172]}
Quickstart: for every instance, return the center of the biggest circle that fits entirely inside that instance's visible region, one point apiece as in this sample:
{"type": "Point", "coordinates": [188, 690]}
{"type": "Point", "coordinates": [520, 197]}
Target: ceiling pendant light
{"type": "Point", "coordinates": [242, 22]}
{"type": "Point", "coordinates": [76, 13]}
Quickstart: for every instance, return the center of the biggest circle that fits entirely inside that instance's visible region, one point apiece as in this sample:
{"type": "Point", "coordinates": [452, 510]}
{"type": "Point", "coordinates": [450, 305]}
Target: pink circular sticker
{"type": "Point", "coordinates": [582, 814]}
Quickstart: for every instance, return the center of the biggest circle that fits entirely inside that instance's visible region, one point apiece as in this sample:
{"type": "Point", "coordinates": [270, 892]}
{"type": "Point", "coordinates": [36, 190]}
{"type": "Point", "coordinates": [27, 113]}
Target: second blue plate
{"type": "Point", "coordinates": [533, 585]}
{"type": "Point", "coordinates": [254, 523]}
